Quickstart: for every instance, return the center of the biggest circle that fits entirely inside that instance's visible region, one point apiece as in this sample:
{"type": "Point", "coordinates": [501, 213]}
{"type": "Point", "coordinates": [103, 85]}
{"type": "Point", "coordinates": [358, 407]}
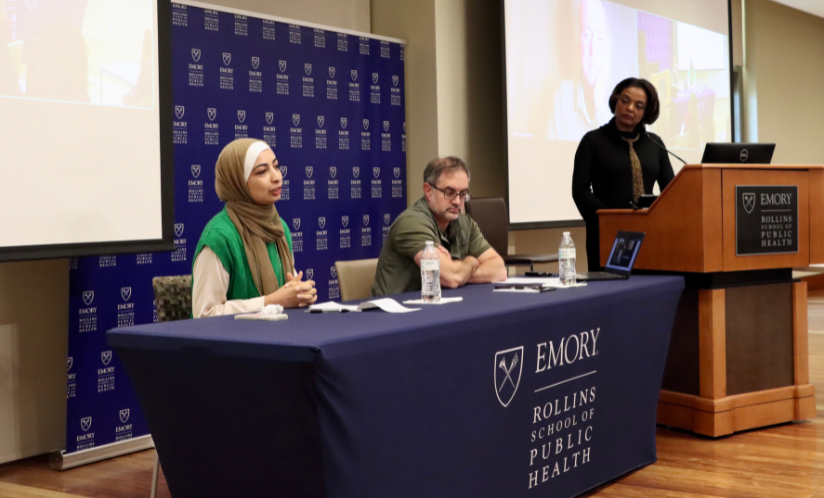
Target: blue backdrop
{"type": "Point", "coordinates": [330, 104]}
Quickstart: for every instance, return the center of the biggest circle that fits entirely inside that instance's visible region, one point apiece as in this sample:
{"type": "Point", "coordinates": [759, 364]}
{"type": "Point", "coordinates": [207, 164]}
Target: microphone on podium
{"type": "Point", "coordinates": [649, 135]}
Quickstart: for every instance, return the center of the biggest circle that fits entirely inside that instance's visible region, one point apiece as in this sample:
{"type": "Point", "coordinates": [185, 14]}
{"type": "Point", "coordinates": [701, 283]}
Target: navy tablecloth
{"type": "Point", "coordinates": [503, 394]}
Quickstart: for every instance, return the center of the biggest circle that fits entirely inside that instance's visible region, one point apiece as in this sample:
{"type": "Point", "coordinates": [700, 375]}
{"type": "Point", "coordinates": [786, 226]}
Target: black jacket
{"type": "Point", "coordinates": [602, 178]}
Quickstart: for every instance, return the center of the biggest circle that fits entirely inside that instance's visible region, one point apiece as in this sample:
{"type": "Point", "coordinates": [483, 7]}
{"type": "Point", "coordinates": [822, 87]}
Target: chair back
{"type": "Point", "coordinates": [174, 297]}
{"type": "Point", "coordinates": [356, 278]}
{"type": "Point", "coordinates": [490, 215]}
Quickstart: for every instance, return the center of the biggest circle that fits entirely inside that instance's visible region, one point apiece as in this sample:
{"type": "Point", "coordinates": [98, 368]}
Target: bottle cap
{"type": "Point", "coordinates": [566, 233]}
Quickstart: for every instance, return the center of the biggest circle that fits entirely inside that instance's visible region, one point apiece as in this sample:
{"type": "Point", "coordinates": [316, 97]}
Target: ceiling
{"type": "Point", "coordinates": [815, 7]}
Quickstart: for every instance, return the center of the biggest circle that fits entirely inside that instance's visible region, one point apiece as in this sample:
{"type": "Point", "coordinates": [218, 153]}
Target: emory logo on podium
{"type": "Point", "coordinates": [86, 423]}
{"type": "Point", "coordinates": [124, 415]}
{"type": "Point", "coordinates": [508, 367]}
{"type": "Point", "coordinates": [749, 202]}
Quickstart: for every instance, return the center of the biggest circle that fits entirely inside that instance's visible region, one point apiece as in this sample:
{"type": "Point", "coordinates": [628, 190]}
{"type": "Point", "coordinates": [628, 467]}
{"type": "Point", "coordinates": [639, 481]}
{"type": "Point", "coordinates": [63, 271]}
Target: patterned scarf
{"type": "Point", "coordinates": [637, 175]}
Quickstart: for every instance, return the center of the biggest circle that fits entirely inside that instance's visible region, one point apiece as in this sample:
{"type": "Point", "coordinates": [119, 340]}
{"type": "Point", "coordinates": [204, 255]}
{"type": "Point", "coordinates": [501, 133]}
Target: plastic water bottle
{"type": "Point", "coordinates": [566, 260]}
{"type": "Point", "coordinates": [430, 274]}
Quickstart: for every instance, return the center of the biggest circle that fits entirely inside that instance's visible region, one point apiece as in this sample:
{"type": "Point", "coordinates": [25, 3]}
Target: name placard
{"type": "Point", "coordinates": [766, 219]}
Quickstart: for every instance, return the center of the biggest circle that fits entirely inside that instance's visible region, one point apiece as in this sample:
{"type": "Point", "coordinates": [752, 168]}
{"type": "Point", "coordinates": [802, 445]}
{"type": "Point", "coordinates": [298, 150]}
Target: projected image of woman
{"type": "Point", "coordinates": [620, 161]}
{"type": "Point", "coordinates": [244, 258]}
{"type": "Point", "coordinates": [579, 105]}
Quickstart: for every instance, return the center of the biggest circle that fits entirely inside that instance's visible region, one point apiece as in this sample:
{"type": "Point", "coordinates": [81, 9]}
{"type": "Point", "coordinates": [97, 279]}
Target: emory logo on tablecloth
{"type": "Point", "coordinates": [508, 367]}
{"type": "Point", "coordinates": [749, 202]}
{"type": "Point", "coordinates": [124, 415]}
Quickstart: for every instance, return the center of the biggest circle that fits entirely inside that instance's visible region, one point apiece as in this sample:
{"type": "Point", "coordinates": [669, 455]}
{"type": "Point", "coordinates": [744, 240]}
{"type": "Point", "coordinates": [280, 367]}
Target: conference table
{"type": "Point", "coordinates": [504, 394]}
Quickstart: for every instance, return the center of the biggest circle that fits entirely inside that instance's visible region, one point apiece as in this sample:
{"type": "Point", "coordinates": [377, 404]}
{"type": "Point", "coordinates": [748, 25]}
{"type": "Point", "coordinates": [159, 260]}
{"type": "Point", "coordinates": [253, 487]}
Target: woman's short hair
{"type": "Point", "coordinates": [653, 107]}
{"type": "Point", "coordinates": [437, 167]}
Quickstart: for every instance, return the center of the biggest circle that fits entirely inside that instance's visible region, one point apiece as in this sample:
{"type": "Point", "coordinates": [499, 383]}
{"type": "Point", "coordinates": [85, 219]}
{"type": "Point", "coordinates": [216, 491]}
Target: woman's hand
{"type": "Point", "coordinates": [294, 294]}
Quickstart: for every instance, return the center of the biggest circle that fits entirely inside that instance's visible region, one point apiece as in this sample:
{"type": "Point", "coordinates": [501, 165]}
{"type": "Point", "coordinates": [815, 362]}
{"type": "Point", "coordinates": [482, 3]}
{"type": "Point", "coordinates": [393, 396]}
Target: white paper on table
{"type": "Point", "coordinates": [333, 306]}
{"type": "Point", "coordinates": [444, 300]}
{"type": "Point", "coordinates": [387, 304]}
{"type": "Point", "coordinates": [559, 285]}
{"type": "Point", "coordinates": [532, 280]}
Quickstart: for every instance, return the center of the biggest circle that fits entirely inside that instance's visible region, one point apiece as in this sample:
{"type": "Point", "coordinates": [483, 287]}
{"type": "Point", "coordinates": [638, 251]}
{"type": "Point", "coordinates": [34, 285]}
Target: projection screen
{"type": "Point", "coordinates": [564, 57]}
{"type": "Point", "coordinates": [85, 128]}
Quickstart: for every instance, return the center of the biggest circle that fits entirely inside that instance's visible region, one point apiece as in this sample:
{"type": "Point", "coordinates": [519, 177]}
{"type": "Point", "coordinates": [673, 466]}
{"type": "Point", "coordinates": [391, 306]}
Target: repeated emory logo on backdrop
{"type": "Point", "coordinates": [236, 75]}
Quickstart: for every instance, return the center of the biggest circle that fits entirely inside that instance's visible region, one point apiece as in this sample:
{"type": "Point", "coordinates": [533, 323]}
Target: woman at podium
{"type": "Point", "coordinates": [619, 162]}
{"type": "Point", "coordinates": [244, 258]}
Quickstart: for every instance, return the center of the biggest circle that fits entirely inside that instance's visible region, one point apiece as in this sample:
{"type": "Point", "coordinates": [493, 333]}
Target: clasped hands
{"type": "Point", "coordinates": [295, 293]}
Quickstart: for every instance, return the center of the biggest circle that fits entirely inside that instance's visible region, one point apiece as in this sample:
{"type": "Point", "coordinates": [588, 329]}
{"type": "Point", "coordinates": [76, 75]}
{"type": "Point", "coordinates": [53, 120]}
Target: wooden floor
{"type": "Point", "coordinates": [781, 461]}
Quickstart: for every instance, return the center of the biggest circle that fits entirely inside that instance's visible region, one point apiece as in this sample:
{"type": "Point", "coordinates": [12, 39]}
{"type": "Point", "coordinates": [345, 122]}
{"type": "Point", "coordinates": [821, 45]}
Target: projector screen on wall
{"type": "Point", "coordinates": [80, 129]}
{"type": "Point", "coordinates": [564, 57]}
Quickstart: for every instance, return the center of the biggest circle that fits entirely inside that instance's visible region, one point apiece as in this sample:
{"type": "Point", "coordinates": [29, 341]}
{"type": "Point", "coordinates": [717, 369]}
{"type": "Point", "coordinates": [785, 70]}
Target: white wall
{"type": "Point", "coordinates": [34, 296]}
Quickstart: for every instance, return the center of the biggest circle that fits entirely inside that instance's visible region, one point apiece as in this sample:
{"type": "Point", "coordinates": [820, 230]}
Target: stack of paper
{"type": "Point", "coordinates": [386, 304]}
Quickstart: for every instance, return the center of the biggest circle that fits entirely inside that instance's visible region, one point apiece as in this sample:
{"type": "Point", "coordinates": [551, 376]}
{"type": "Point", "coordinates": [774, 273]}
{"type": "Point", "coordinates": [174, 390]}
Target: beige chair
{"type": "Point", "coordinates": [356, 278]}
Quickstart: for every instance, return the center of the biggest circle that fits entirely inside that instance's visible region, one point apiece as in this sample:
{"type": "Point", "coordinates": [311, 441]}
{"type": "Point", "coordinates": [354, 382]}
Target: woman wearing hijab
{"type": "Point", "coordinates": [244, 259]}
{"type": "Point", "coordinates": [620, 161]}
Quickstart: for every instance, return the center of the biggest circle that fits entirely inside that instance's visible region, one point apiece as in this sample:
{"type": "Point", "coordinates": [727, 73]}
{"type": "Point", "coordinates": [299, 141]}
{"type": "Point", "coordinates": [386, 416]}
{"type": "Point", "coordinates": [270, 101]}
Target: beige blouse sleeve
{"type": "Point", "coordinates": [211, 283]}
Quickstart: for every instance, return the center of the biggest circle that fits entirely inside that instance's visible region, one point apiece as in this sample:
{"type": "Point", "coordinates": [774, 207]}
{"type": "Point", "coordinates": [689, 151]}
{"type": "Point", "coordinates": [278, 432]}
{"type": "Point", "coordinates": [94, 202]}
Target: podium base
{"type": "Point", "coordinates": [724, 416]}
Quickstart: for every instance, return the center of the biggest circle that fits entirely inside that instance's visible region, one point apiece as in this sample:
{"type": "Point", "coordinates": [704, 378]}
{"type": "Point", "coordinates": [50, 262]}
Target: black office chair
{"type": "Point", "coordinates": [490, 215]}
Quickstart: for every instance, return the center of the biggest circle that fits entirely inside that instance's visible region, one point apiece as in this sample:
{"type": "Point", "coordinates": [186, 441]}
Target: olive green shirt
{"type": "Point", "coordinates": [397, 271]}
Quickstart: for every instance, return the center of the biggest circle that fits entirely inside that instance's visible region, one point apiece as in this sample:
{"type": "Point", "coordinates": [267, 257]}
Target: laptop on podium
{"type": "Point", "coordinates": [621, 259]}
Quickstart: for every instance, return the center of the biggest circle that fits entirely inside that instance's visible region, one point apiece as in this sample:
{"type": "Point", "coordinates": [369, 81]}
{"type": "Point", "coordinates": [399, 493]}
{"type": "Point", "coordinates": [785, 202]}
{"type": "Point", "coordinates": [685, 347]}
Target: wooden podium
{"type": "Point", "coordinates": [738, 356]}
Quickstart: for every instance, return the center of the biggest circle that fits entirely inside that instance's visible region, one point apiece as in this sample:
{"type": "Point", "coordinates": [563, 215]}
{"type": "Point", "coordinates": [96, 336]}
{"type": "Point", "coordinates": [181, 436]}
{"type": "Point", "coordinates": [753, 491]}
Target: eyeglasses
{"type": "Point", "coordinates": [450, 193]}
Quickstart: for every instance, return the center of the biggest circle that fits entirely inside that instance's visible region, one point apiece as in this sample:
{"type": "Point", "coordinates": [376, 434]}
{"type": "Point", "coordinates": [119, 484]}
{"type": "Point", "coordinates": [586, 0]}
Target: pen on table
{"type": "Point", "coordinates": [328, 311]}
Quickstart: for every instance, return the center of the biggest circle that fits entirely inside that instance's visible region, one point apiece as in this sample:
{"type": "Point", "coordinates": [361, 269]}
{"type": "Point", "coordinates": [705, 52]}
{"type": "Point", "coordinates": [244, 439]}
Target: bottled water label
{"type": "Point", "coordinates": [567, 253]}
{"type": "Point", "coordinates": [430, 264]}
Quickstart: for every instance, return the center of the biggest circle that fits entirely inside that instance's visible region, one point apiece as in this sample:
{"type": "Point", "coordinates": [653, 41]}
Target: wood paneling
{"type": "Point", "coordinates": [712, 343]}
{"type": "Point", "coordinates": [800, 348]}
